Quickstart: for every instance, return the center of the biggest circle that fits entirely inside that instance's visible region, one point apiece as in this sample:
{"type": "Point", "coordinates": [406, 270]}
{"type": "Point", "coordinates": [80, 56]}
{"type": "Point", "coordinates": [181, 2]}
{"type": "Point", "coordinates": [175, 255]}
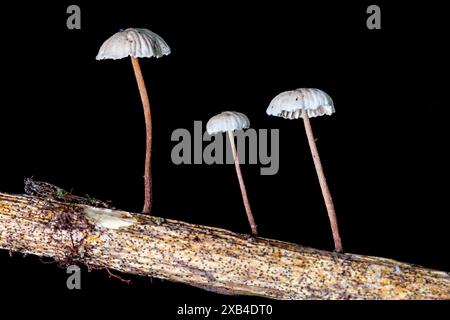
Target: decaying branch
{"type": "Point", "coordinates": [211, 258]}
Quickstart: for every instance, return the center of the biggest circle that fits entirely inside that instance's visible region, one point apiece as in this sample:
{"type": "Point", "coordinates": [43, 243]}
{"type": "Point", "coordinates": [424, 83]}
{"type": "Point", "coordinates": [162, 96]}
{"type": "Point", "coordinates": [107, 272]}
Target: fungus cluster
{"type": "Point", "coordinates": [301, 103]}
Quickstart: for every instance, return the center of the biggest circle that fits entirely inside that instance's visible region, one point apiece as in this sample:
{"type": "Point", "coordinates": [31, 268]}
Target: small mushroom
{"type": "Point", "coordinates": [229, 121]}
{"type": "Point", "coordinates": [306, 103]}
{"type": "Point", "coordinates": [138, 43]}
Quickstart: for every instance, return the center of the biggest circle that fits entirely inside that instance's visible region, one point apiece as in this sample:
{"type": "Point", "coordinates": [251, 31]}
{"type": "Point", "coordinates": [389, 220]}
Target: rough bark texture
{"type": "Point", "coordinates": [206, 257]}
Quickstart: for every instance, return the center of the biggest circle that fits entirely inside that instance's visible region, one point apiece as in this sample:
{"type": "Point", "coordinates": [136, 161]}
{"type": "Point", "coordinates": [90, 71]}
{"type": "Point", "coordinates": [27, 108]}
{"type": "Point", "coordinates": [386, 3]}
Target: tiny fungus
{"type": "Point", "coordinates": [138, 43]}
{"type": "Point", "coordinates": [228, 122]}
{"type": "Point", "coordinates": [307, 103]}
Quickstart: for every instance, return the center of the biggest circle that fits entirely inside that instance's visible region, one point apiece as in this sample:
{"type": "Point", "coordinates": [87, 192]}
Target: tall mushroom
{"type": "Point", "coordinates": [229, 121]}
{"type": "Point", "coordinates": [307, 103]}
{"type": "Point", "coordinates": [138, 43]}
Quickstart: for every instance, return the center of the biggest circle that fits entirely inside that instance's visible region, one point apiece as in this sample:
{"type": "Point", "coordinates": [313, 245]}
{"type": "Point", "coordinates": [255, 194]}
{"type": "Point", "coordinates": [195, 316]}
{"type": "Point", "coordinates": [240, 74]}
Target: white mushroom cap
{"type": "Point", "coordinates": [290, 104]}
{"type": "Point", "coordinates": [227, 121]}
{"type": "Point", "coordinates": [137, 43]}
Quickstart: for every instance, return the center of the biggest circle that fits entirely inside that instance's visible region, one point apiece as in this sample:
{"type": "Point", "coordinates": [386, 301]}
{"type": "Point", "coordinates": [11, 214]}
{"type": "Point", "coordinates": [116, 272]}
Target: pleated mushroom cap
{"type": "Point", "coordinates": [290, 104]}
{"type": "Point", "coordinates": [138, 43]}
{"type": "Point", "coordinates": [227, 121]}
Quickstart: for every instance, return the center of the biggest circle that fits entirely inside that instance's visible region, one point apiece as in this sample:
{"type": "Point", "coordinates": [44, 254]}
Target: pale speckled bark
{"type": "Point", "coordinates": [207, 257]}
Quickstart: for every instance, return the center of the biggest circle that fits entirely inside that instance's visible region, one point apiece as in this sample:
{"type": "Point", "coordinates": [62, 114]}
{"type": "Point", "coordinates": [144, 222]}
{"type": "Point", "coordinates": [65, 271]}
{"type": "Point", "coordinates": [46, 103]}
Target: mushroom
{"type": "Point", "coordinates": [138, 43]}
{"type": "Point", "coordinates": [229, 121]}
{"type": "Point", "coordinates": [307, 103]}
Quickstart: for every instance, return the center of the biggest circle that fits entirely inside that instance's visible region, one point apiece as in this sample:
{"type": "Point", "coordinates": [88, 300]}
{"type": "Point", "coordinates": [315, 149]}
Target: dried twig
{"type": "Point", "coordinates": [206, 257]}
{"type": "Point", "coordinates": [112, 275]}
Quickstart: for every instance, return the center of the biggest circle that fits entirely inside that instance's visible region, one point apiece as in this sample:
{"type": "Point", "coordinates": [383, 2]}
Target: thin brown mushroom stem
{"type": "Point", "coordinates": [248, 210]}
{"type": "Point", "coordinates": [148, 126]}
{"type": "Point", "coordinates": [323, 183]}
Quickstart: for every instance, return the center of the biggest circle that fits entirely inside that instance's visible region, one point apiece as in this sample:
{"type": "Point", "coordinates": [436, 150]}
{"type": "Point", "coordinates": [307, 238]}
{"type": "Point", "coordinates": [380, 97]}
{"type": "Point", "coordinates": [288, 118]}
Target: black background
{"type": "Point", "coordinates": [77, 123]}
